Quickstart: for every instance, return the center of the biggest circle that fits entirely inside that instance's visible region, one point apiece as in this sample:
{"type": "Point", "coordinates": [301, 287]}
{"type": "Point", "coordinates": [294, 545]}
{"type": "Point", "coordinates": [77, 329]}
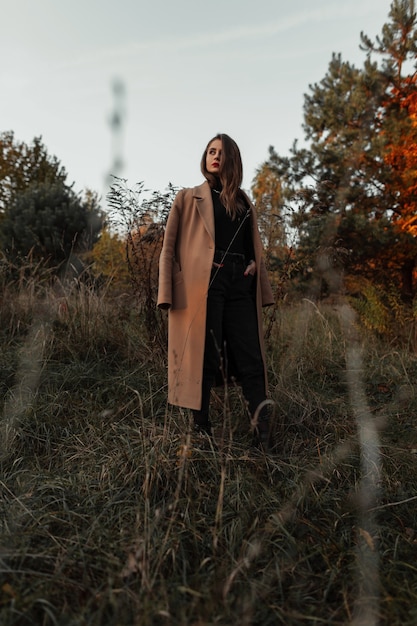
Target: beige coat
{"type": "Point", "coordinates": [184, 274]}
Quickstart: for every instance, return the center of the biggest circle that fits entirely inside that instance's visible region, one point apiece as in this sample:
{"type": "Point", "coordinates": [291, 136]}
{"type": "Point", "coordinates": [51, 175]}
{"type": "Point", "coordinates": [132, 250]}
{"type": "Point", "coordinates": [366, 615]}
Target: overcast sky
{"type": "Point", "coordinates": [189, 69]}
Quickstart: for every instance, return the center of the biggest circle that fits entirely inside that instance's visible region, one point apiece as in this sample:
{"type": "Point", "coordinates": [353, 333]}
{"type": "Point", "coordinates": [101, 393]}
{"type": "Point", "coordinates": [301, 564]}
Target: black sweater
{"type": "Point", "coordinates": [237, 231]}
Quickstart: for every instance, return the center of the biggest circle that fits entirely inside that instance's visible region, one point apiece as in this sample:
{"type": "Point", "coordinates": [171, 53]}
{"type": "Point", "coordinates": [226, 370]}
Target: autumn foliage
{"type": "Point", "coordinates": [352, 189]}
{"type": "Point", "coordinates": [401, 156]}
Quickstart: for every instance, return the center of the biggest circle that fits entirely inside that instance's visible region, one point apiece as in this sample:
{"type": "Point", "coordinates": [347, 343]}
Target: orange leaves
{"type": "Point", "coordinates": [401, 154]}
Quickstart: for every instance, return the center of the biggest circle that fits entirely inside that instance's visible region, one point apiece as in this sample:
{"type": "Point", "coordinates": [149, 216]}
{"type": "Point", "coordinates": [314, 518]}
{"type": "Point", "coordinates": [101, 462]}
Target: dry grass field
{"type": "Point", "coordinates": [112, 512]}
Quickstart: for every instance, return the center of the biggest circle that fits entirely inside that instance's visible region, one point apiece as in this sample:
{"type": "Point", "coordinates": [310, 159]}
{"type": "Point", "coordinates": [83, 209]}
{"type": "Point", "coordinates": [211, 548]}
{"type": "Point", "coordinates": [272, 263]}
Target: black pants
{"type": "Point", "coordinates": [232, 319]}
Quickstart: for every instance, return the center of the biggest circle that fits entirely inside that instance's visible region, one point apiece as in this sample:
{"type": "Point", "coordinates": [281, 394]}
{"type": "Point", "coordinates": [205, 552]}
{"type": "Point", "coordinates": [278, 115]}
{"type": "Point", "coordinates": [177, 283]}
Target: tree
{"type": "Point", "coordinates": [50, 222]}
{"type": "Point", "coordinates": [267, 193]}
{"type": "Point", "coordinates": [40, 213]}
{"type": "Point", "coordinates": [401, 156]}
{"type": "Point", "coordinates": [22, 166]}
{"type": "Point", "coordinates": [351, 187]}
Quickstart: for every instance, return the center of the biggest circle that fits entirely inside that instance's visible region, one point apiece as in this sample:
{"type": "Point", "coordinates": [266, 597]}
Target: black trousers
{"type": "Point", "coordinates": [232, 328]}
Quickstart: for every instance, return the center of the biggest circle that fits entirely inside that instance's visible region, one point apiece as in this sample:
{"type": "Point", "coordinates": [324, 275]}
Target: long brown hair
{"type": "Point", "coordinates": [230, 175]}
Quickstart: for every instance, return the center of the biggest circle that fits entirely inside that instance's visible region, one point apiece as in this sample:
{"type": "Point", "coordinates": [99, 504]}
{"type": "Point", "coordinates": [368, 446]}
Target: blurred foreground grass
{"type": "Point", "coordinates": [111, 513]}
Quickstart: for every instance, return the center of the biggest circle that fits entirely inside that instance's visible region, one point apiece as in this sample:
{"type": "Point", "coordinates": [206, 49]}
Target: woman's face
{"type": "Point", "coordinates": [214, 156]}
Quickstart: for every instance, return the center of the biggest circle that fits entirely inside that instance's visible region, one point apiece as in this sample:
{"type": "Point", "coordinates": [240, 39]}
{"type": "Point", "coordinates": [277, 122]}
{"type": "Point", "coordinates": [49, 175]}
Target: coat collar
{"type": "Point", "coordinates": [202, 194]}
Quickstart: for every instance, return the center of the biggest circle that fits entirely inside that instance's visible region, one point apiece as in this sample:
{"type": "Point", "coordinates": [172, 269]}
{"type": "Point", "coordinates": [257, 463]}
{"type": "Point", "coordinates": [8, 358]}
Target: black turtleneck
{"type": "Point", "coordinates": [237, 231]}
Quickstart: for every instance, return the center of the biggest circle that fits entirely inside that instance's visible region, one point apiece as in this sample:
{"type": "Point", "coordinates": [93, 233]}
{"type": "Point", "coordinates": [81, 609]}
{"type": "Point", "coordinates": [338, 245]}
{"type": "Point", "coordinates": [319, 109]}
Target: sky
{"type": "Point", "coordinates": [177, 71]}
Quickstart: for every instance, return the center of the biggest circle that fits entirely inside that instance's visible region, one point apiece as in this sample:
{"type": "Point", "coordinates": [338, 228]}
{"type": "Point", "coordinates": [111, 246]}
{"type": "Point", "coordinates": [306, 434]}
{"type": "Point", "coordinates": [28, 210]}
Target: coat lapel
{"type": "Point", "coordinates": [202, 194]}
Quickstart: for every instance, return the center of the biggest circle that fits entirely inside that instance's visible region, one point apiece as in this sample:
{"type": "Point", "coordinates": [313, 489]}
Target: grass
{"type": "Point", "coordinates": [112, 513]}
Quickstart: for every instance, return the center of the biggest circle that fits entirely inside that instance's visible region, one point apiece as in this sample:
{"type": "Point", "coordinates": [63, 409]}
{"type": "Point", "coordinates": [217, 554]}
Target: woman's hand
{"type": "Point", "coordinates": [251, 268]}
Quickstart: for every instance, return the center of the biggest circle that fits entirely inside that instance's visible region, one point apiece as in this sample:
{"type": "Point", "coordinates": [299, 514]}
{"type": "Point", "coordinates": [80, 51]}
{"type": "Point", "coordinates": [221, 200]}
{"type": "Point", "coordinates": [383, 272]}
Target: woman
{"type": "Point", "coordinates": [213, 281]}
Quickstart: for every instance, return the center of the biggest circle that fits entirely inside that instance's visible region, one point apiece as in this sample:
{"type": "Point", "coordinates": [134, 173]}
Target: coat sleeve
{"type": "Point", "coordinates": [266, 289]}
{"type": "Point", "coordinates": [167, 257]}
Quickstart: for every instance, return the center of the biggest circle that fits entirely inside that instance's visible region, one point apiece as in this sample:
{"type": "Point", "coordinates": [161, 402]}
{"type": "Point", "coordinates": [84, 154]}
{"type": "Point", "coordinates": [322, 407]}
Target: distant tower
{"type": "Point", "coordinates": [117, 125]}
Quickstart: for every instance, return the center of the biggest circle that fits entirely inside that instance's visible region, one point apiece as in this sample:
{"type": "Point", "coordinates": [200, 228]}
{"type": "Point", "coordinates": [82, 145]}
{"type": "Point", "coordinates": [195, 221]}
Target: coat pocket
{"type": "Point", "coordinates": [177, 276]}
{"type": "Point", "coordinates": [179, 300]}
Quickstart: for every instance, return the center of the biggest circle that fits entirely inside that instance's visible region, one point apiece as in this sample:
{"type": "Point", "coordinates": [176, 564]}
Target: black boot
{"type": "Point", "coordinates": [202, 424]}
{"type": "Point", "coordinates": [263, 435]}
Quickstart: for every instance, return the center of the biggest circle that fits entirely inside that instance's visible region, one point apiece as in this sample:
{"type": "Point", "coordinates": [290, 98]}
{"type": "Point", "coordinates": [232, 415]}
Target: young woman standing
{"type": "Point", "coordinates": [213, 280]}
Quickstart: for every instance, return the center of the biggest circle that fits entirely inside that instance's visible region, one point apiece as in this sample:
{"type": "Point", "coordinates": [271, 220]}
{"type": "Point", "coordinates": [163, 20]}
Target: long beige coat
{"type": "Point", "coordinates": [184, 274]}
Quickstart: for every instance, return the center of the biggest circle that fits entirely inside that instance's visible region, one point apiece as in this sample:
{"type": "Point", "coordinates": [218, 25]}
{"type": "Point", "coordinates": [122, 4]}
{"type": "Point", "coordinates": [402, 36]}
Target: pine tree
{"type": "Point", "coordinates": [50, 222]}
{"type": "Point", "coordinates": [40, 214]}
{"type": "Point", "coordinates": [354, 186]}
